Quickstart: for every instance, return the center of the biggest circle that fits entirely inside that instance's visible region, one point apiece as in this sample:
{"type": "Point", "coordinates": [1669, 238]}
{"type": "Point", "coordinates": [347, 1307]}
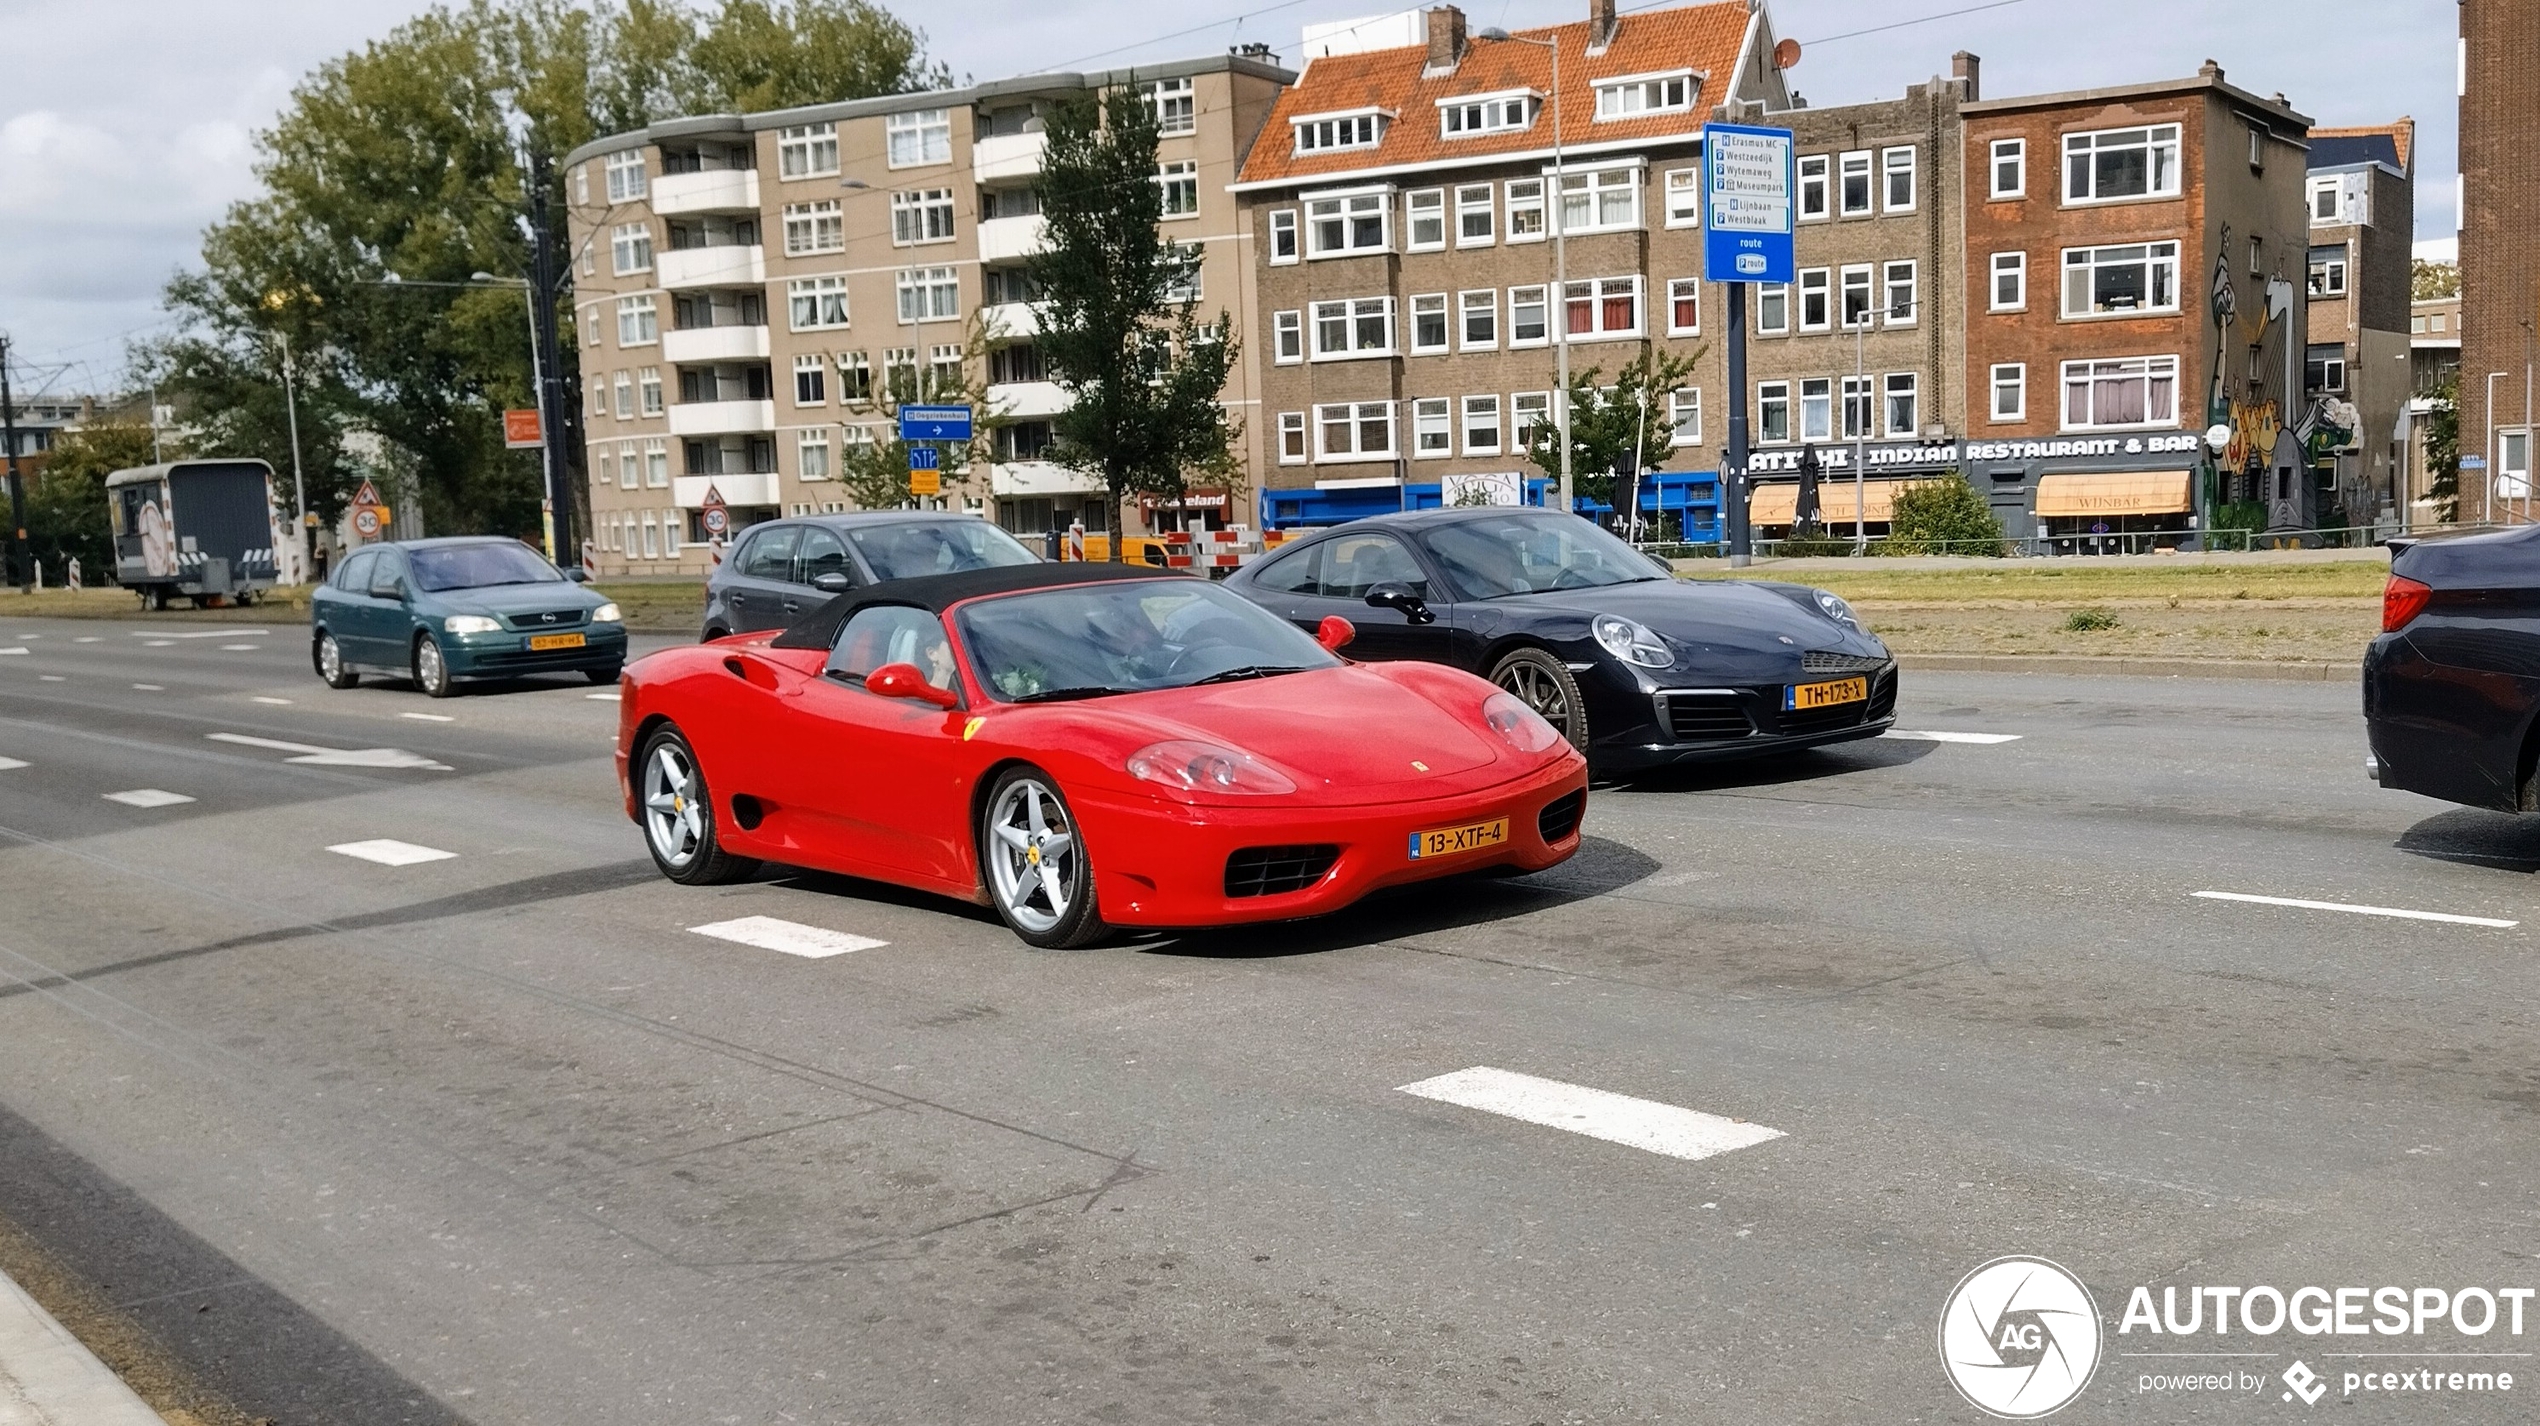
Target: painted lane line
{"type": "Point", "coordinates": [160, 644]}
{"type": "Point", "coordinates": [151, 687]}
{"type": "Point", "coordinates": [10, 764]}
{"type": "Point", "coordinates": [148, 797]}
{"type": "Point", "coordinates": [429, 717]}
{"type": "Point", "coordinates": [14, 649]}
{"type": "Point", "coordinates": [792, 937]}
{"type": "Point", "coordinates": [278, 702]}
{"type": "Point", "coordinates": [90, 639]}
{"type": "Point", "coordinates": [601, 697]}
{"type": "Point", "coordinates": [316, 756]}
{"type": "Point", "coordinates": [166, 634]}
{"type": "Point", "coordinates": [388, 852]}
{"type": "Point", "coordinates": [1615, 1118]}
{"type": "Point", "coordinates": [2394, 911]}
{"type": "Point", "coordinates": [50, 678]}
{"type": "Point", "coordinates": [1937, 737]}
{"type": "Point", "coordinates": [240, 648]}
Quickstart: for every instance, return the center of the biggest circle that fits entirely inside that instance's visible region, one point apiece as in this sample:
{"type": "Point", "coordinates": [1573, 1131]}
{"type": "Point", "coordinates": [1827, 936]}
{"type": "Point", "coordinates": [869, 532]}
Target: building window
{"type": "Point", "coordinates": [2010, 392]}
{"type": "Point", "coordinates": [624, 385]}
{"type": "Point", "coordinates": [814, 303]}
{"type": "Point", "coordinates": [817, 227]}
{"type": "Point", "coordinates": [1481, 425]}
{"type": "Point", "coordinates": [1772, 412]}
{"type": "Point", "coordinates": [1495, 114]}
{"type": "Point", "coordinates": [631, 248]}
{"type": "Point", "coordinates": [1018, 363]}
{"type": "Point", "coordinates": [2328, 271]}
{"type": "Point", "coordinates": [811, 454]}
{"type": "Point", "coordinates": [657, 464]}
{"type": "Point", "coordinates": [2140, 277]}
{"type": "Point", "coordinates": [1180, 182]}
{"type": "Point", "coordinates": [1176, 106]}
{"type": "Point", "coordinates": [1432, 428]}
{"type": "Point", "coordinates": [1684, 417]}
{"type": "Point", "coordinates": [652, 537]}
{"type": "Point", "coordinates": [855, 378]}
{"type": "Point", "coordinates": [2324, 368]}
{"type": "Point", "coordinates": [2010, 168]}
{"type": "Point", "coordinates": [1816, 299]}
{"type": "Point", "coordinates": [922, 215]}
{"type": "Point", "coordinates": [1525, 210]}
{"type": "Point", "coordinates": [1292, 438]}
{"type": "Point", "coordinates": [919, 136]}
{"type": "Point", "coordinates": [2513, 464]}
{"type": "Point", "coordinates": [1283, 236]}
{"type": "Point", "coordinates": [1353, 429]}
{"type": "Point", "coordinates": [1529, 319]}
{"type": "Point", "coordinates": [1288, 337]}
{"type": "Point", "coordinates": [1852, 186]}
{"type": "Point", "coordinates": [1772, 309]}
{"type": "Point", "coordinates": [1428, 321]}
{"type": "Point", "coordinates": [638, 322]}
{"type": "Point", "coordinates": [1896, 175]}
{"type": "Point", "coordinates": [629, 469]}
{"type": "Point", "coordinates": [944, 367]}
{"type": "Point", "coordinates": [672, 522]}
{"type": "Point", "coordinates": [2137, 391]}
{"type": "Point", "coordinates": [2010, 282]}
{"type": "Point", "coordinates": [2257, 256]}
{"type": "Point", "coordinates": [1600, 202]}
{"type": "Point", "coordinates": [1904, 303]}
{"type": "Point", "coordinates": [1479, 319]}
{"type": "Point", "coordinates": [1857, 305]}
{"type": "Point", "coordinates": [1812, 188]}
{"type": "Point", "coordinates": [2338, 199]}
{"type": "Point", "coordinates": [591, 326]}
{"type": "Point", "coordinates": [1645, 94]}
{"type": "Point", "coordinates": [811, 380]}
{"type": "Point", "coordinates": [1684, 306]}
{"type": "Point", "coordinates": [648, 391]}
{"type": "Point", "coordinates": [1473, 203]}
{"type": "Point", "coordinates": [807, 151]}
{"type": "Point", "coordinates": [1816, 409]}
{"type": "Point", "coordinates": [928, 294]}
{"type": "Point", "coordinates": [1856, 408]}
{"type": "Point", "coordinates": [1602, 307]}
{"type": "Point", "coordinates": [581, 183]}
{"type": "Point", "coordinates": [1526, 411]}
{"type": "Point", "coordinates": [1325, 133]}
{"type": "Point", "coordinates": [1904, 410]}
{"type": "Point", "coordinates": [1360, 326]}
{"type": "Point", "coordinates": [1354, 223]}
{"type": "Point", "coordinates": [626, 175]}
{"type": "Point", "coordinates": [1424, 219]}
{"type": "Point", "coordinates": [2121, 163]}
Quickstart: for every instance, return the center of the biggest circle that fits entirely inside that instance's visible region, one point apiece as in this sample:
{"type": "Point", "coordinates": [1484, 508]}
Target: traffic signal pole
{"type": "Point", "coordinates": [545, 275]}
{"type": "Point", "coordinates": [1733, 478]}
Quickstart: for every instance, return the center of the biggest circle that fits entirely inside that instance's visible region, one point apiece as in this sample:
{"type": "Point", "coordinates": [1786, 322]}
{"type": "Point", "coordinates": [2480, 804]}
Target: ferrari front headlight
{"type": "Point", "coordinates": [1192, 765]}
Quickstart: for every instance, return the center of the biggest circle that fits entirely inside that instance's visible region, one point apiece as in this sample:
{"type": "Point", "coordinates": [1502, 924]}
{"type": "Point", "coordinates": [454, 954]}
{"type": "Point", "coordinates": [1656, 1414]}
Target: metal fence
{"type": "Point", "coordinates": [2142, 542]}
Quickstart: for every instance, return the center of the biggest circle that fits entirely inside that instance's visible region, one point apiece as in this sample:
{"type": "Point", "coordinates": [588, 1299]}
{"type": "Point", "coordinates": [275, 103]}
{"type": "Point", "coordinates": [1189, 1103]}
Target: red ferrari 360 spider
{"type": "Point", "coordinates": [1085, 746]}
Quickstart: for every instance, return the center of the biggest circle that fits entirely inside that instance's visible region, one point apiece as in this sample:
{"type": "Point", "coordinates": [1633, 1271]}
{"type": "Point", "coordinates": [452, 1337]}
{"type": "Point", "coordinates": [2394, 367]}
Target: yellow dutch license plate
{"type": "Point", "coordinates": [1454, 841]}
{"type": "Point", "coordinates": [540, 643]}
{"type": "Point", "coordinates": [1826, 695]}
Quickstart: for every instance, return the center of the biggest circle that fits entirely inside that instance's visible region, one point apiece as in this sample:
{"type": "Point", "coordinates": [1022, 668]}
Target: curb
{"type": "Point", "coordinates": [2132, 667]}
{"type": "Point", "coordinates": [47, 1378]}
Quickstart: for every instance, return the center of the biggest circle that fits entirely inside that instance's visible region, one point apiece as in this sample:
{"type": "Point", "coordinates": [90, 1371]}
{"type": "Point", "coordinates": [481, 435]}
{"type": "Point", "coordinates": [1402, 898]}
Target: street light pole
{"type": "Point", "coordinates": [18, 549]}
{"type": "Point", "coordinates": [299, 484]}
{"type": "Point", "coordinates": [1559, 307]}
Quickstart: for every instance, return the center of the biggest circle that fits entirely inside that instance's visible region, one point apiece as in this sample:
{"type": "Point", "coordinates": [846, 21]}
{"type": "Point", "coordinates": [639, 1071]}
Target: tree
{"type": "Point", "coordinates": [1607, 422]}
{"type": "Point", "coordinates": [1942, 516]}
{"type": "Point", "coordinates": [1119, 318]}
{"type": "Point", "coordinates": [2428, 280]}
{"type": "Point", "coordinates": [875, 475]}
{"type": "Point", "coordinates": [2443, 449]}
{"type": "Point", "coordinates": [66, 501]}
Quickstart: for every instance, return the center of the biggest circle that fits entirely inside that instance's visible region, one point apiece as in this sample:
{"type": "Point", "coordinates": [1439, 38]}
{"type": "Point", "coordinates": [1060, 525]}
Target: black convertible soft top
{"type": "Point", "coordinates": [939, 592]}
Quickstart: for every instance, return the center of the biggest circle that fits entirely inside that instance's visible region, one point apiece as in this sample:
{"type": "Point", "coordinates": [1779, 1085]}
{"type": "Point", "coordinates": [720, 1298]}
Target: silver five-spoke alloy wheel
{"type": "Point", "coordinates": [1035, 865]}
{"type": "Point", "coordinates": [674, 813]}
{"type": "Point", "coordinates": [1537, 690]}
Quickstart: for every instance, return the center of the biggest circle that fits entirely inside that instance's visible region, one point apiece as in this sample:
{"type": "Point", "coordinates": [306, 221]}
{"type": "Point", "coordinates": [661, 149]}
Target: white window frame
{"type": "Point", "coordinates": [1815, 179]}
{"type": "Point", "coordinates": [1426, 305]}
{"type": "Point", "coordinates": [2334, 185]}
{"type": "Point", "coordinates": [652, 537]}
{"type": "Point", "coordinates": [1358, 415]}
{"type": "Point", "coordinates": [1504, 111]}
{"type": "Point", "coordinates": [1867, 285]}
{"type": "Point", "coordinates": [2015, 152]}
{"type": "Point", "coordinates": [1351, 209]}
{"type": "Point", "coordinates": [1897, 164]}
{"type": "Point", "coordinates": [622, 392]}
{"type": "Point", "coordinates": [1769, 395]}
{"type": "Point", "coordinates": [1601, 290]}
{"type": "Point", "coordinates": [673, 522]}
{"type": "Point", "coordinates": [2012, 266]}
{"type": "Point", "coordinates": [919, 216]}
{"type": "Point", "coordinates": [2015, 382]}
{"type": "Point", "coordinates": [807, 151]}
{"type": "Point", "coordinates": [813, 440]}
{"type": "Point", "coordinates": [2151, 366]}
{"type": "Point", "coordinates": [916, 292]}
{"type": "Point", "coordinates": [1681, 197]}
{"type": "Point", "coordinates": [1637, 96]}
{"type": "Point", "coordinates": [1287, 338]}
{"type": "Point", "coordinates": [1175, 103]}
{"type": "Point", "coordinates": [1527, 410]}
{"type": "Point", "coordinates": [638, 321]}
{"type": "Point", "coordinates": [1523, 203]}
{"type": "Point", "coordinates": [2153, 144]}
{"type": "Point", "coordinates": [1677, 289]}
{"type": "Point", "coordinates": [1476, 200]}
{"type": "Point", "coordinates": [631, 248]}
{"type": "Point", "coordinates": [1179, 181]}
{"type": "Point", "coordinates": [1292, 423]}
{"type": "Point", "coordinates": [657, 463]}
{"type": "Point", "coordinates": [1816, 397]}
{"type": "Point", "coordinates": [815, 366]}
{"type": "Point", "coordinates": [1283, 225]}
{"type": "Point", "coordinates": [2332, 368]}
{"type": "Point", "coordinates": [2153, 261]}
{"type": "Point", "coordinates": [917, 138]}
{"type": "Point", "coordinates": [1596, 189]}
{"type": "Point", "coordinates": [2327, 269]}
{"type": "Point", "coordinates": [1910, 386]}
{"type": "Point", "coordinates": [626, 179]}
{"type": "Point", "coordinates": [825, 298]}
{"type": "Point", "coordinates": [1684, 409]}
{"type": "Point", "coordinates": [1538, 296]}
{"type": "Point", "coordinates": [1472, 410]}
{"type": "Point", "coordinates": [1480, 303]}
{"type": "Point", "coordinates": [1817, 282]}
{"type": "Point", "coordinates": [1352, 312]}
{"type": "Point", "coordinates": [1339, 130]}
{"type": "Point", "coordinates": [648, 397]}
{"type": "Point", "coordinates": [816, 227]}
{"type": "Point", "coordinates": [855, 382]}
{"type": "Point", "coordinates": [1780, 291]}
{"type": "Point", "coordinates": [1860, 406]}
{"type": "Point", "coordinates": [1419, 206]}
{"type": "Point", "coordinates": [1910, 284]}
{"type": "Point", "coordinates": [1432, 428]}
{"type": "Point", "coordinates": [1848, 165]}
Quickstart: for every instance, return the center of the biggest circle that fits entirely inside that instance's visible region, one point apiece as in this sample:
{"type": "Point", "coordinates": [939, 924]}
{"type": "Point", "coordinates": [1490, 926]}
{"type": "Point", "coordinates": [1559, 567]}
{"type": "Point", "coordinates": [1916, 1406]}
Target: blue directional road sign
{"type": "Point", "coordinates": [925, 458]}
{"type": "Point", "coordinates": [934, 423]}
{"type": "Point", "coordinates": [1747, 192]}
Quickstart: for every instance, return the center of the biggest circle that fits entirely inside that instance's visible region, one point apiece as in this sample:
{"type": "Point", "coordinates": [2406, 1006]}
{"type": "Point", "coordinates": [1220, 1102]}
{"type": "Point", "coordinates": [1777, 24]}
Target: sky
{"type": "Point", "coordinates": [127, 126]}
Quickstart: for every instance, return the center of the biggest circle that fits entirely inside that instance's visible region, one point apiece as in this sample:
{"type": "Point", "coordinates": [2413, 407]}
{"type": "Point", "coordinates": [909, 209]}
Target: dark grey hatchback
{"type": "Point", "coordinates": [780, 570]}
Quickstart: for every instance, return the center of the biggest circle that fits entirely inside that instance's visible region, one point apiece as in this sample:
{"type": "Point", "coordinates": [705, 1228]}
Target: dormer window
{"type": "Point", "coordinates": [1324, 133]}
{"type": "Point", "coordinates": [1486, 114]}
{"type": "Point", "coordinates": [1637, 94]}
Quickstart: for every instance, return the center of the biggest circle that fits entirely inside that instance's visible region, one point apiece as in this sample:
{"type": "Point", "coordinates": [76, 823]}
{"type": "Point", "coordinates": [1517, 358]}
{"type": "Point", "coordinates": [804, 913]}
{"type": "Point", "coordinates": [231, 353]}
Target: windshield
{"type": "Point", "coordinates": [476, 566]}
{"type": "Point", "coordinates": [900, 551]}
{"type": "Point", "coordinates": [1128, 637]}
{"type": "Point", "coordinates": [1526, 554]}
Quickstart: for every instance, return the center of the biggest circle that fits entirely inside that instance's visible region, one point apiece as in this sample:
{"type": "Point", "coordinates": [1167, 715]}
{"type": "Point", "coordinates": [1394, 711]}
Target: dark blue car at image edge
{"type": "Point", "coordinates": [2452, 685]}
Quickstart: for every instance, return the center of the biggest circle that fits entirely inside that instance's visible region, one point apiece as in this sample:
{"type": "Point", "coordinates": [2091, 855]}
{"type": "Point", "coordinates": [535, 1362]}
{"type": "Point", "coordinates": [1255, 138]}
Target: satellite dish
{"type": "Point", "coordinates": [1786, 54]}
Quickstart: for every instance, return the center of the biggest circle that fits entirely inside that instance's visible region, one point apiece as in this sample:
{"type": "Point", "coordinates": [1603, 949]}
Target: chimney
{"type": "Point", "coordinates": [1966, 69]}
{"type": "Point", "coordinates": [2210, 70]}
{"type": "Point", "coordinates": [1446, 39]}
{"type": "Point", "coordinates": [1601, 23]}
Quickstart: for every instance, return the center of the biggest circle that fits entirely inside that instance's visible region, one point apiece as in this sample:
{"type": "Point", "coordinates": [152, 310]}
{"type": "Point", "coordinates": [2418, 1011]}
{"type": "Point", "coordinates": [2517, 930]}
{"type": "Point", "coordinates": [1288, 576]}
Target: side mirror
{"type": "Point", "coordinates": [1334, 633]}
{"type": "Point", "coordinates": [577, 574]}
{"type": "Point", "coordinates": [1400, 599]}
{"type": "Point", "coordinates": [832, 583]}
{"type": "Point", "coordinates": [902, 680]}
{"type": "Point", "coordinates": [387, 589]}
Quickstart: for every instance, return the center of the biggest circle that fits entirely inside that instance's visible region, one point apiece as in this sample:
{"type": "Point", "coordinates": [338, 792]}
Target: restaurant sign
{"type": "Point", "coordinates": [1907, 456]}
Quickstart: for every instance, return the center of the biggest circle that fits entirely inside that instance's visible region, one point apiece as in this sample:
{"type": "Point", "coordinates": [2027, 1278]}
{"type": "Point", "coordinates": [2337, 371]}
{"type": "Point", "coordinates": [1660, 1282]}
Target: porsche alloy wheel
{"type": "Point", "coordinates": [432, 671]}
{"type": "Point", "coordinates": [1035, 859]}
{"type": "Point", "coordinates": [330, 663]}
{"type": "Point", "coordinates": [1544, 684]}
{"type": "Point", "coordinates": [678, 815]}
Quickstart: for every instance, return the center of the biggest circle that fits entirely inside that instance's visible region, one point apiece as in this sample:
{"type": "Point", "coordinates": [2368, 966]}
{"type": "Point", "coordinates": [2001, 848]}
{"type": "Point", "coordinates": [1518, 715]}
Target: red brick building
{"type": "Point", "coordinates": [2500, 253]}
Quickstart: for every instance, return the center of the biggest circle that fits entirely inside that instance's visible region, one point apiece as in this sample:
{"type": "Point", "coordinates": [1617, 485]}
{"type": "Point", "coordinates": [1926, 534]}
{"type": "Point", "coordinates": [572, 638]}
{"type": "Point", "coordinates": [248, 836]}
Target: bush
{"type": "Point", "coordinates": [1943, 516]}
{"type": "Point", "coordinates": [2089, 621]}
{"type": "Point", "coordinates": [1814, 540]}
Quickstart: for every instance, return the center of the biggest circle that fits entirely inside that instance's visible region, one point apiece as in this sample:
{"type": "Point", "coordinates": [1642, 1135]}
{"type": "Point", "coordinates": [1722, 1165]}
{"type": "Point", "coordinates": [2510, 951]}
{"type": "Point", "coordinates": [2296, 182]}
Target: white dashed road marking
{"type": "Point", "coordinates": [50, 678]}
{"type": "Point", "coordinates": [283, 702]}
{"type": "Point", "coordinates": [1615, 1118]}
{"type": "Point", "coordinates": [151, 687]}
{"type": "Point", "coordinates": [601, 697]}
{"type": "Point", "coordinates": [240, 648]}
{"type": "Point", "coordinates": [333, 757]}
{"type": "Point", "coordinates": [1933, 737]}
{"type": "Point", "coordinates": [792, 937]}
{"type": "Point", "coordinates": [391, 853]}
{"type": "Point", "coordinates": [10, 764]}
{"type": "Point", "coordinates": [159, 644]}
{"type": "Point", "coordinates": [2394, 911]}
{"type": "Point", "coordinates": [429, 717]}
{"type": "Point", "coordinates": [13, 650]}
{"type": "Point", "coordinates": [148, 797]}
{"type": "Point", "coordinates": [90, 639]}
{"type": "Point", "coordinates": [164, 634]}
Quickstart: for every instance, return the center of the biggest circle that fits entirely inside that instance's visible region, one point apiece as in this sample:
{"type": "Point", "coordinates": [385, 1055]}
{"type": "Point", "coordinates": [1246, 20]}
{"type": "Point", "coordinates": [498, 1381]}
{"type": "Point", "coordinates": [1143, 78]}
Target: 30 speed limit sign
{"type": "Point", "coordinates": [366, 521]}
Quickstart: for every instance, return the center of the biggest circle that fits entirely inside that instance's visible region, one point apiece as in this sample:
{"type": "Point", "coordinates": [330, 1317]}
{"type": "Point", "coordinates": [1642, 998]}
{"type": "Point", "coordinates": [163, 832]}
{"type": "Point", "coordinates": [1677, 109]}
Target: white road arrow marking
{"type": "Point", "coordinates": [334, 757]}
{"type": "Point", "coordinates": [1599, 1114]}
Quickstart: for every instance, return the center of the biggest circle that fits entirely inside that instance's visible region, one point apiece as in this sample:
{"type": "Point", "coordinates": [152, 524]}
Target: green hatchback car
{"type": "Point", "coordinates": [439, 611]}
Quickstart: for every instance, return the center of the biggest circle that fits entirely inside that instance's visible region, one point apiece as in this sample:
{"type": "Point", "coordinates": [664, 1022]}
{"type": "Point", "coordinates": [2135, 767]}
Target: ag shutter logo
{"type": "Point", "coordinates": [2019, 1338]}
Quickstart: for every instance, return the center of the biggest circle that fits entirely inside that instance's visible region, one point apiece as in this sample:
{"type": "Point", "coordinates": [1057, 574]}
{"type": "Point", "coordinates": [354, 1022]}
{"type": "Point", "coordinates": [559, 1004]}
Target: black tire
{"type": "Point", "coordinates": [676, 810]}
{"type": "Point", "coordinates": [327, 657]}
{"type": "Point", "coordinates": [1544, 684]}
{"type": "Point", "coordinates": [1045, 895]}
{"type": "Point", "coordinates": [712, 633]}
{"type": "Point", "coordinates": [432, 669]}
{"type": "Point", "coordinates": [604, 675]}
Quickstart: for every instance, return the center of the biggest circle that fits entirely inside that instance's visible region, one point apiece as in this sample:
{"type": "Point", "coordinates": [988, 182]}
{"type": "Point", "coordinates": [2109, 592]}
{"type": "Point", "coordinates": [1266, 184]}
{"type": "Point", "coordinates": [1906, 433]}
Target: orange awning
{"type": "Point", "coordinates": [1778, 503]}
{"type": "Point", "coordinates": [2133, 492]}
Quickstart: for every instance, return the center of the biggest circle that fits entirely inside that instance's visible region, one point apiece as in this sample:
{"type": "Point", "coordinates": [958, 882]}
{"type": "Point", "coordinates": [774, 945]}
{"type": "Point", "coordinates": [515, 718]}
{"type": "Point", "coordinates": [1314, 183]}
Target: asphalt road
{"type": "Point", "coordinates": [497, 1137]}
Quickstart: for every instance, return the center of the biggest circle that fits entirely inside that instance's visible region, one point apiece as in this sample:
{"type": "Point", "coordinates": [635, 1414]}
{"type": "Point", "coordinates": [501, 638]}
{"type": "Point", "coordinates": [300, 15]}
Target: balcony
{"type": "Point", "coordinates": [1011, 321]}
{"type": "Point", "coordinates": [1011, 239]}
{"type": "Point", "coordinates": [1004, 156]}
{"type": "Point", "coordinates": [688, 492]}
{"type": "Point", "coordinates": [722, 190]}
{"type": "Point", "coordinates": [1017, 400]}
{"type": "Point", "coordinates": [692, 346]}
{"type": "Point", "coordinates": [1040, 477]}
{"type": "Point", "coordinates": [722, 418]}
{"type": "Point", "coordinates": [726, 265]}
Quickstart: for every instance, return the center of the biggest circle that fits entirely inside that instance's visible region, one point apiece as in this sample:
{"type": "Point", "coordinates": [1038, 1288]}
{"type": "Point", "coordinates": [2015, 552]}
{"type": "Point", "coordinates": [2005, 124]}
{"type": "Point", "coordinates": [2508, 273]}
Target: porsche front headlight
{"type": "Point", "coordinates": [1833, 607]}
{"type": "Point", "coordinates": [1632, 642]}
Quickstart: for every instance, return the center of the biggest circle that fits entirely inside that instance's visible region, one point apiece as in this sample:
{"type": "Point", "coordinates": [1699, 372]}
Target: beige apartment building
{"type": "Point", "coordinates": [748, 285]}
